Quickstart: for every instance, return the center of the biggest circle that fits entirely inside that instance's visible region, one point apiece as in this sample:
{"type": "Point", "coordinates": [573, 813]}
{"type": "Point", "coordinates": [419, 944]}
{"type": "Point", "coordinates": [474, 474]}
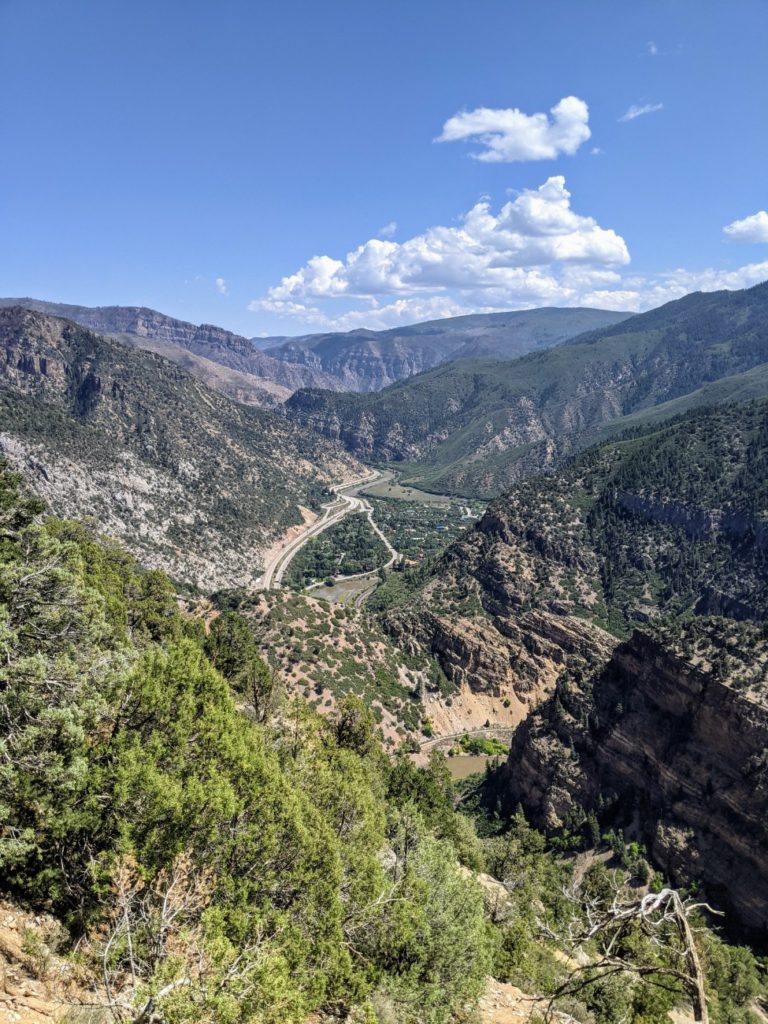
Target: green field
{"type": "Point", "coordinates": [393, 489]}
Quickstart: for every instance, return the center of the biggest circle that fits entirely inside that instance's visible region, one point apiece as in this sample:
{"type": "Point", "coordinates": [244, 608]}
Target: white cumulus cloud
{"type": "Point", "coordinates": [374, 316]}
{"type": "Point", "coordinates": [388, 230]}
{"type": "Point", "coordinates": [639, 111]}
{"type": "Point", "coordinates": [508, 135]}
{"type": "Point", "coordinates": [641, 293]}
{"type": "Point", "coordinates": [534, 250]}
{"type": "Point", "coordinates": [221, 286]}
{"type": "Point", "coordinates": [509, 252]}
{"type": "Point", "coordinates": [574, 286]}
{"type": "Point", "coordinates": [749, 229]}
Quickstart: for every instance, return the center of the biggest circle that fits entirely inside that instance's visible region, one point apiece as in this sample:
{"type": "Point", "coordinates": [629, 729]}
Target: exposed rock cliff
{"type": "Point", "coordinates": [665, 524]}
{"type": "Point", "coordinates": [491, 621]}
{"type": "Point", "coordinates": [673, 734]}
{"type": "Point", "coordinates": [513, 660]}
{"type": "Point", "coordinates": [697, 522]}
{"type": "Point", "coordinates": [171, 337]}
{"type": "Point", "coordinates": [189, 481]}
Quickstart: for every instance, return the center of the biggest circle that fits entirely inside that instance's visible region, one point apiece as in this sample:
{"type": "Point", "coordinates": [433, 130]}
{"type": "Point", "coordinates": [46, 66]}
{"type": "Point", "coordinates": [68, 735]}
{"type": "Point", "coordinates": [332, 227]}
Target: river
{"type": "Point", "coordinates": [463, 765]}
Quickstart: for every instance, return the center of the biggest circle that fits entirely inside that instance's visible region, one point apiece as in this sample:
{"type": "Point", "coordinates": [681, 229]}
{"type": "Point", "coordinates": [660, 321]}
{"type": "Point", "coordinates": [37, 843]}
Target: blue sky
{"type": "Point", "coordinates": [272, 167]}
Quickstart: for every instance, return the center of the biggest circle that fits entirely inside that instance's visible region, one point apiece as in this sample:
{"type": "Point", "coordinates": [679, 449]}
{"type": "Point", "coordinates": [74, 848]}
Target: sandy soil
{"type": "Point", "coordinates": [308, 519]}
{"type": "Point", "coordinates": [504, 1004]}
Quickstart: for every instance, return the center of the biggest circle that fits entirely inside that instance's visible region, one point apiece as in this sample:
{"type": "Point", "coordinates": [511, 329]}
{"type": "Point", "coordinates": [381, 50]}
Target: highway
{"type": "Point", "coordinates": [346, 503]}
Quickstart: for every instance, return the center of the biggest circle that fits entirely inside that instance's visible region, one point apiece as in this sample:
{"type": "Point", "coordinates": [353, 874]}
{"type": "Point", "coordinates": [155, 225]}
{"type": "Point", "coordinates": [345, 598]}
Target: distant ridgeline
{"type": "Point", "coordinates": [266, 370]}
{"type": "Point", "coordinates": [475, 426]}
{"type": "Point", "coordinates": [188, 480]}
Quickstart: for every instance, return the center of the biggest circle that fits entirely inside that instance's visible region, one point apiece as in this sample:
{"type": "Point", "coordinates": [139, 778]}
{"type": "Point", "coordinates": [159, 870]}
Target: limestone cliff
{"type": "Point", "coordinates": [672, 735]}
{"type": "Point", "coordinates": [190, 482]}
{"type": "Point", "coordinates": [147, 328]}
{"type": "Point", "coordinates": [498, 622]}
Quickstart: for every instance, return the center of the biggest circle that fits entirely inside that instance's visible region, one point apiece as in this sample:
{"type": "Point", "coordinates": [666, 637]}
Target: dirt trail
{"type": "Point", "coordinates": [502, 1003]}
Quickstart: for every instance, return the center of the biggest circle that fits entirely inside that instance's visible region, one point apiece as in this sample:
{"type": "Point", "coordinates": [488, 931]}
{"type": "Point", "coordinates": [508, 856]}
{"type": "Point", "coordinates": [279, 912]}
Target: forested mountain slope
{"type": "Point", "coordinates": [268, 370]}
{"type": "Point", "coordinates": [671, 522]}
{"type": "Point", "coordinates": [475, 426]}
{"type": "Point", "coordinates": [555, 591]}
{"type": "Point", "coordinates": [211, 855]}
{"type": "Point", "coordinates": [194, 483]}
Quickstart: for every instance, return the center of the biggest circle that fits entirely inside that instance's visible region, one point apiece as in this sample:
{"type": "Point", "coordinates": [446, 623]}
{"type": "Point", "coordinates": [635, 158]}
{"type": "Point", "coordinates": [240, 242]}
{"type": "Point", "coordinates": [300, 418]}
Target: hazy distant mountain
{"type": "Point", "coordinates": [265, 371]}
{"type": "Point", "coordinates": [474, 426]}
{"type": "Point", "coordinates": [370, 360]}
{"type": "Point", "coordinates": [270, 341]}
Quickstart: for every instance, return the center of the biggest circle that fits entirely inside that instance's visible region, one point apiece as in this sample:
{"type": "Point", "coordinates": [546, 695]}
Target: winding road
{"type": "Point", "coordinates": [491, 732]}
{"type": "Point", "coordinates": [346, 503]}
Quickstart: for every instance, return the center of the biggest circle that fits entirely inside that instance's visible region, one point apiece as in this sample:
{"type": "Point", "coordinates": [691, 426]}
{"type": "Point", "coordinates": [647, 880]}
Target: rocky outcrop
{"type": "Point", "coordinates": [188, 481]}
{"type": "Point", "coordinates": [513, 657]}
{"type": "Point", "coordinates": [358, 430]}
{"type": "Point", "coordinates": [39, 983]}
{"type": "Point", "coordinates": [205, 340]}
{"type": "Point", "coordinates": [672, 733]}
{"type": "Point", "coordinates": [697, 522]}
{"type": "Point", "coordinates": [362, 362]}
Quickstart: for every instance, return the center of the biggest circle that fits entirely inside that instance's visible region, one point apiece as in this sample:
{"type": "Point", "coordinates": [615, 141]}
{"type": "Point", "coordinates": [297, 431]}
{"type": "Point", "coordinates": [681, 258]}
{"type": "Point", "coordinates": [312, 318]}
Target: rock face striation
{"type": "Point", "coordinates": [672, 734]}
{"type": "Point", "coordinates": [146, 328]}
{"type": "Point", "coordinates": [513, 660]}
{"type": "Point", "coordinates": [503, 610]}
{"type": "Point", "coordinates": [353, 361]}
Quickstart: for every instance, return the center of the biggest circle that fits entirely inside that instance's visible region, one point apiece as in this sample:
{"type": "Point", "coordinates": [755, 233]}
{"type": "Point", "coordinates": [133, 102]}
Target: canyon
{"type": "Point", "coordinates": [669, 740]}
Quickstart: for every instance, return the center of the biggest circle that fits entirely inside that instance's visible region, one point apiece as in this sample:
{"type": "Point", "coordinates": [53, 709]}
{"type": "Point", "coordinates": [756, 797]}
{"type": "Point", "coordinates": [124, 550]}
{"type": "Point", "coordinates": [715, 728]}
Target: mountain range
{"type": "Point", "coordinates": [266, 371]}
{"type": "Point", "coordinates": [370, 360]}
{"type": "Point", "coordinates": [203, 350]}
{"type": "Point", "coordinates": [190, 481]}
{"type": "Point", "coordinates": [475, 426]}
